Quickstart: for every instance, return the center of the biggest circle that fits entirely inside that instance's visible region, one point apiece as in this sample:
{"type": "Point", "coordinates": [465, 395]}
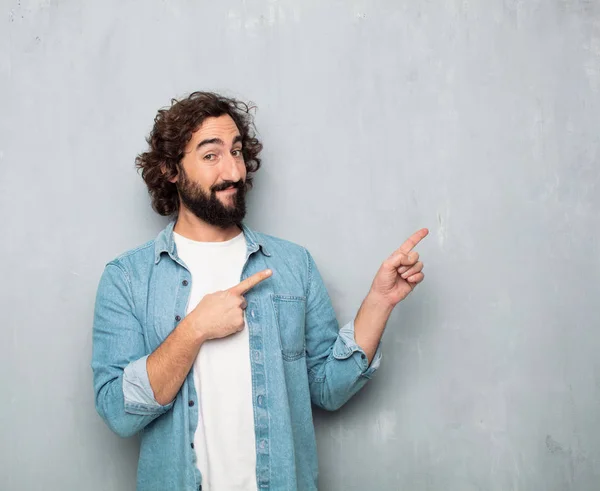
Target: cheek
{"type": "Point", "coordinates": [243, 170]}
{"type": "Point", "coordinates": [205, 178]}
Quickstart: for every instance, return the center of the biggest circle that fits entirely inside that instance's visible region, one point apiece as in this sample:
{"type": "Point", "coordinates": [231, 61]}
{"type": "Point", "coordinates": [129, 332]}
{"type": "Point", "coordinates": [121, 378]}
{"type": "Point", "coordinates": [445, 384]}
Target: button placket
{"type": "Point", "coordinates": [257, 358]}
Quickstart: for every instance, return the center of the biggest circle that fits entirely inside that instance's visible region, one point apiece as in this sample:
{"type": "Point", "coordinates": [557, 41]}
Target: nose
{"type": "Point", "coordinates": [231, 169]}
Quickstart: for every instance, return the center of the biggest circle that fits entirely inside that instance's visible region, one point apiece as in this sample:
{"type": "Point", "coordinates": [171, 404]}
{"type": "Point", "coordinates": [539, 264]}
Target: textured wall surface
{"type": "Point", "coordinates": [476, 118]}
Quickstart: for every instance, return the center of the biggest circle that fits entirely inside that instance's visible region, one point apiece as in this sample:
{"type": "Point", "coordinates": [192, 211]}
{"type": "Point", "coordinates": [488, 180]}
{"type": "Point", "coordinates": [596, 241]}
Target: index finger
{"type": "Point", "coordinates": [413, 240]}
{"type": "Point", "coordinates": [250, 282]}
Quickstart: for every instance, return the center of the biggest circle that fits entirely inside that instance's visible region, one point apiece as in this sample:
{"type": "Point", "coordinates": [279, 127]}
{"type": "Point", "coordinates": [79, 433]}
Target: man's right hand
{"type": "Point", "coordinates": [221, 314]}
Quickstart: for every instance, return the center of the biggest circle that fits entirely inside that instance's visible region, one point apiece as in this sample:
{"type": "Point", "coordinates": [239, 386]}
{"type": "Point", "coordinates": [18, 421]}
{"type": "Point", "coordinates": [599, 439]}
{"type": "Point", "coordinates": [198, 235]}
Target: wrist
{"type": "Point", "coordinates": [194, 329]}
{"type": "Point", "coordinates": [379, 302]}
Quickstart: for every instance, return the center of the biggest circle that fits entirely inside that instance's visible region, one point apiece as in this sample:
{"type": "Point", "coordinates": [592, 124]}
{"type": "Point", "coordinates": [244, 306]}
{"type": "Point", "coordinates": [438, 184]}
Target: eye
{"type": "Point", "coordinates": [236, 153]}
{"type": "Point", "coordinates": [210, 157]}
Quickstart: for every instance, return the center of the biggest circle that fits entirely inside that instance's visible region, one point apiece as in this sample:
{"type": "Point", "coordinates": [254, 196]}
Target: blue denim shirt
{"type": "Point", "coordinates": [298, 356]}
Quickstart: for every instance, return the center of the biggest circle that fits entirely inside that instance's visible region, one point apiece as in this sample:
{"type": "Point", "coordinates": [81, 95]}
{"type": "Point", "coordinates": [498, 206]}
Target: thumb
{"type": "Point", "coordinates": [398, 259]}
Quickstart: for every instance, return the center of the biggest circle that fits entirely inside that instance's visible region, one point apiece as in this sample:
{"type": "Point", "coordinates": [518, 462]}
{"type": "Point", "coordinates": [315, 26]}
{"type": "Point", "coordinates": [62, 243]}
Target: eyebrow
{"type": "Point", "coordinates": [217, 141]}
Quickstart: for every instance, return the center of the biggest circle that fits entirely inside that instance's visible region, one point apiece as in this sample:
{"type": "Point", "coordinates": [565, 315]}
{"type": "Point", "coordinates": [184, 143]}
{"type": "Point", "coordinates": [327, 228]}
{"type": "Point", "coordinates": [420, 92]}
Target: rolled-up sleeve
{"type": "Point", "coordinates": [337, 366]}
{"type": "Point", "coordinates": [124, 397]}
{"type": "Point", "coordinates": [345, 346]}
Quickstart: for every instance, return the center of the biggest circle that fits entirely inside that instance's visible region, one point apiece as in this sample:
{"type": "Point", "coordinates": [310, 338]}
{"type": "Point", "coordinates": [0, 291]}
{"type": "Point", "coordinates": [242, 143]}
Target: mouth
{"type": "Point", "coordinates": [228, 191]}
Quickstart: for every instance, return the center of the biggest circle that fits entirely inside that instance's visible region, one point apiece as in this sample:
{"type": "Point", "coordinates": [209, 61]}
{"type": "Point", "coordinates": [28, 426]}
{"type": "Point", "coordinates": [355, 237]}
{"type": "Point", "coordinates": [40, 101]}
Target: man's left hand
{"type": "Point", "coordinates": [400, 273]}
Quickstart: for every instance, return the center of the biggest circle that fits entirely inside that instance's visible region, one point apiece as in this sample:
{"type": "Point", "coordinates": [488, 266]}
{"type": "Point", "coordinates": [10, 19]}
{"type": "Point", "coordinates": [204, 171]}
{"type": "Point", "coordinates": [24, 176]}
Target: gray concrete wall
{"type": "Point", "coordinates": [477, 118]}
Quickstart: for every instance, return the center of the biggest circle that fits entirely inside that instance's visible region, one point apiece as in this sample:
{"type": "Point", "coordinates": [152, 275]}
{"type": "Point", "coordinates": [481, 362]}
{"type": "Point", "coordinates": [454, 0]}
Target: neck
{"type": "Point", "coordinates": [191, 227]}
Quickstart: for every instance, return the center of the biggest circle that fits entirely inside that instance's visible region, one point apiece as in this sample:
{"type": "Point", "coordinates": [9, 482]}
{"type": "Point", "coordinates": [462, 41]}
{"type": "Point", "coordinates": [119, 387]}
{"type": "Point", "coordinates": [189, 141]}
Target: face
{"type": "Point", "coordinates": [212, 176]}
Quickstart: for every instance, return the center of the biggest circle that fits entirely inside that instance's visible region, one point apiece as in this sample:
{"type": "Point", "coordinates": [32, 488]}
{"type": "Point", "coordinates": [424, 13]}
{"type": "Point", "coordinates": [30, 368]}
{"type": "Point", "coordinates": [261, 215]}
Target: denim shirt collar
{"type": "Point", "coordinates": [165, 243]}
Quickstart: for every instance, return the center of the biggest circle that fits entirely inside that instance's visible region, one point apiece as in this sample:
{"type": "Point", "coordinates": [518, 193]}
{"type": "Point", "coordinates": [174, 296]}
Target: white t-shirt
{"type": "Point", "coordinates": [224, 441]}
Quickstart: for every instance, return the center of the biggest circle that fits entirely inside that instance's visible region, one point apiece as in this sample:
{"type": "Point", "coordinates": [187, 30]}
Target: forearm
{"type": "Point", "coordinates": [370, 323]}
{"type": "Point", "coordinates": [170, 363]}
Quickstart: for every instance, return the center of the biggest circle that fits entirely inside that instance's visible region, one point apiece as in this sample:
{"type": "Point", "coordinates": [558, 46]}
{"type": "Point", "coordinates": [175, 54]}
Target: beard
{"type": "Point", "coordinates": [208, 207]}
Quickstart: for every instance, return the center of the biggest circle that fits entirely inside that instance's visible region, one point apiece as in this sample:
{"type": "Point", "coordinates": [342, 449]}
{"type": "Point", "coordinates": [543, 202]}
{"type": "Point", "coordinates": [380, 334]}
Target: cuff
{"type": "Point", "coordinates": [345, 346]}
{"type": "Point", "coordinates": [137, 392]}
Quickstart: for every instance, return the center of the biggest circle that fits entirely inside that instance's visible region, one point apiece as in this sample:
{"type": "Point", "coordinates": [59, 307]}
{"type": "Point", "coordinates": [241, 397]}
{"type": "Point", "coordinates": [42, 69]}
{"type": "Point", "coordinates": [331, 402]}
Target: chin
{"type": "Point", "coordinates": [229, 204]}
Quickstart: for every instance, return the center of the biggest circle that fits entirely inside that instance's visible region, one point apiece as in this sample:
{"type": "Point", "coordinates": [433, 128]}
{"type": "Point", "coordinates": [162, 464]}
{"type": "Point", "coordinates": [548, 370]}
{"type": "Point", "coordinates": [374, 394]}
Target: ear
{"type": "Point", "coordinates": [174, 179]}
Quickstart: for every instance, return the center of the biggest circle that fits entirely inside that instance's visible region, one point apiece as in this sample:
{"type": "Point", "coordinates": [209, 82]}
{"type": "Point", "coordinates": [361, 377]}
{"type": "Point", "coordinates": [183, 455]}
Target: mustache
{"type": "Point", "coordinates": [222, 186]}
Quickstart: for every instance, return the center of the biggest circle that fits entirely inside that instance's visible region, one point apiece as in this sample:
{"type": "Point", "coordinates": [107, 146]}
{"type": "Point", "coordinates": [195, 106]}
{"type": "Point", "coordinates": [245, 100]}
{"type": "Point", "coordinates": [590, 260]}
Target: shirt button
{"type": "Point", "coordinates": [192, 445]}
{"type": "Point", "coordinates": [184, 282]}
{"type": "Point", "coordinates": [260, 400]}
{"type": "Point", "coordinates": [177, 318]}
{"type": "Point", "coordinates": [190, 403]}
{"type": "Point", "coordinates": [252, 313]}
{"type": "Point", "coordinates": [263, 443]}
{"type": "Point", "coordinates": [256, 355]}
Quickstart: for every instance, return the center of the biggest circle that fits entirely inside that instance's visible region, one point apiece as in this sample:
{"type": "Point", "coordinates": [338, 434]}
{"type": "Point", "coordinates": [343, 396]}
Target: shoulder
{"type": "Point", "coordinates": [137, 258]}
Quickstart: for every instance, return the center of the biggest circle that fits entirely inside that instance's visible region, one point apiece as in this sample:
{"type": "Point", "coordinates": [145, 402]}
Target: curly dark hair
{"type": "Point", "coordinates": [173, 128]}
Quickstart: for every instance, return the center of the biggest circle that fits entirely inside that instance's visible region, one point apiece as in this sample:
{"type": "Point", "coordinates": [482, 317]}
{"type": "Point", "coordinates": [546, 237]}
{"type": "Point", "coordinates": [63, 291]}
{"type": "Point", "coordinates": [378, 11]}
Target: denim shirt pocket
{"type": "Point", "coordinates": [290, 314]}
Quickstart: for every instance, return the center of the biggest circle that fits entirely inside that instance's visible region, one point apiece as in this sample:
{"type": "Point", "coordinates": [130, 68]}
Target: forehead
{"type": "Point", "coordinates": [222, 127]}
